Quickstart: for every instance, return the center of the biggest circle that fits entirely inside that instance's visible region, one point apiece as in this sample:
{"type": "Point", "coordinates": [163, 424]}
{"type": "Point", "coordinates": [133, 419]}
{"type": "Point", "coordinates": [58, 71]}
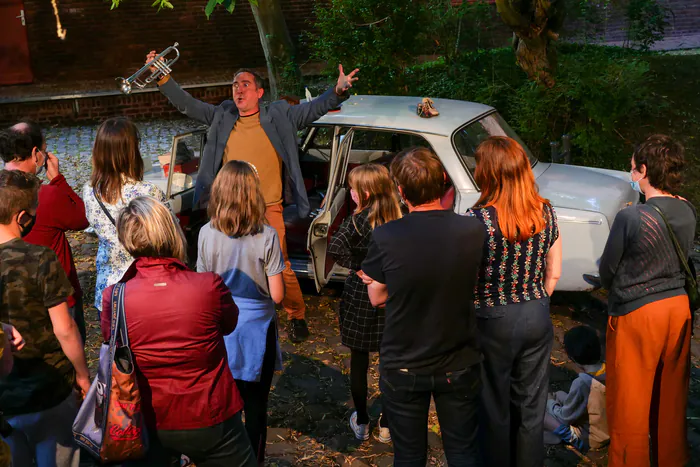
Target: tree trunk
{"type": "Point", "coordinates": [535, 25]}
{"type": "Point", "coordinates": [284, 74]}
{"type": "Point", "coordinates": [536, 58]}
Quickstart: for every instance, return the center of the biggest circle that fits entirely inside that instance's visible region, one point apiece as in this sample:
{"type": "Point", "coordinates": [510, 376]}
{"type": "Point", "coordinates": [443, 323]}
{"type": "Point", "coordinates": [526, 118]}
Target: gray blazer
{"type": "Point", "coordinates": [279, 120]}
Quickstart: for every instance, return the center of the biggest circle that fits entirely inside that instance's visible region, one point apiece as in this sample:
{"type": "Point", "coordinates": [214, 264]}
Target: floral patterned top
{"type": "Point", "coordinates": [512, 272]}
{"type": "Point", "coordinates": [112, 259]}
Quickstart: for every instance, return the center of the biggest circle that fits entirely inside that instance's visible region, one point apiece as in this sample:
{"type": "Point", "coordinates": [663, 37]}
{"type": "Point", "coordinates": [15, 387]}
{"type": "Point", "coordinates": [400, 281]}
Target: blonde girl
{"type": "Point", "coordinates": [238, 245]}
{"type": "Point", "coordinates": [361, 325]}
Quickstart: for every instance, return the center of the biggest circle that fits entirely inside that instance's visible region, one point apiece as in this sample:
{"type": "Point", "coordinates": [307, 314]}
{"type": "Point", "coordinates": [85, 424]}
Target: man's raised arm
{"type": "Point", "coordinates": [308, 112]}
{"type": "Point", "coordinates": [182, 100]}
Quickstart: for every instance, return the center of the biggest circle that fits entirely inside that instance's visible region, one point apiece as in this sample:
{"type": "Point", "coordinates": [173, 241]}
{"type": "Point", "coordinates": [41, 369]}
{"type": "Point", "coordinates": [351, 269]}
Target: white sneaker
{"type": "Point", "coordinates": [383, 435]}
{"type": "Point", "coordinates": [361, 431]}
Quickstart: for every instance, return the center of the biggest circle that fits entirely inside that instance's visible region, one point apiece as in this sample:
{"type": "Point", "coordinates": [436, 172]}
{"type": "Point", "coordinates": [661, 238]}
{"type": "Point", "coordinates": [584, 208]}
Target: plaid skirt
{"type": "Point", "coordinates": [361, 325]}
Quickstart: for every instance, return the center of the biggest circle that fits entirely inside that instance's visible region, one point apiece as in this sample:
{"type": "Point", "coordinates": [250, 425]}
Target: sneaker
{"type": "Point", "coordinates": [297, 330]}
{"type": "Point", "coordinates": [383, 435]}
{"type": "Point", "coordinates": [361, 431]}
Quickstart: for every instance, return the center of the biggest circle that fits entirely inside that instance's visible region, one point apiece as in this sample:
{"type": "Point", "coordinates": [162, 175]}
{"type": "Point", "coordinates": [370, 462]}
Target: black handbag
{"type": "Point", "coordinates": [691, 283]}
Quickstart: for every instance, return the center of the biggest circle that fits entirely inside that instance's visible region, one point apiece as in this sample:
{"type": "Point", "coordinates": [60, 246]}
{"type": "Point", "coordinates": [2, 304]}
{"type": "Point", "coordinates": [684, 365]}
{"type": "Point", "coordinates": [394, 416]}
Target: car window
{"type": "Point", "coordinates": [468, 138]}
{"type": "Point", "coordinates": [381, 146]}
{"type": "Point", "coordinates": [316, 143]}
{"type": "Point", "coordinates": [187, 157]}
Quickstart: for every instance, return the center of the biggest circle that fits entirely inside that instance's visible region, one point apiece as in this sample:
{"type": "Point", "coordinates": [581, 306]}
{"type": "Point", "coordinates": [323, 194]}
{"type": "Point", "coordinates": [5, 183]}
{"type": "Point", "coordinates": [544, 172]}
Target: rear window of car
{"type": "Point", "coordinates": [468, 138]}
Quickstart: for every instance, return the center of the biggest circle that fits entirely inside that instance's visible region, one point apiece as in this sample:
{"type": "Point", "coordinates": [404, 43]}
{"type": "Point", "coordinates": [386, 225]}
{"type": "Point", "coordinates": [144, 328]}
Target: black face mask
{"type": "Point", "coordinates": [43, 168]}
{"type": "Point", "coordinates": [25, 226]}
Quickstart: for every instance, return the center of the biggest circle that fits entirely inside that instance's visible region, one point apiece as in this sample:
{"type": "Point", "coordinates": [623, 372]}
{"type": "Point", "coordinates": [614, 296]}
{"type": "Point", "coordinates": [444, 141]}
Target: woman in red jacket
{"type": "Point", "coordinates": [177, 320]}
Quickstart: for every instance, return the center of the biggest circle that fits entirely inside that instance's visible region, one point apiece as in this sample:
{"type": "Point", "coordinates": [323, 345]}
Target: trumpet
{"type": "Point", "coordinates": [162, 67]}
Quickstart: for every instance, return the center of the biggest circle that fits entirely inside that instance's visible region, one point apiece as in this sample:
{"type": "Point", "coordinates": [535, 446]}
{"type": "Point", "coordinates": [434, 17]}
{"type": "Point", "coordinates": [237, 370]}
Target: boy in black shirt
{"type": "Point", "coordinates": [424, 268]}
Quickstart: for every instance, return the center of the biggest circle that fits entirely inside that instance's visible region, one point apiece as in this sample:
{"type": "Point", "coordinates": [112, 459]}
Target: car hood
{"type": "Point", "coordinates": [586, 189]}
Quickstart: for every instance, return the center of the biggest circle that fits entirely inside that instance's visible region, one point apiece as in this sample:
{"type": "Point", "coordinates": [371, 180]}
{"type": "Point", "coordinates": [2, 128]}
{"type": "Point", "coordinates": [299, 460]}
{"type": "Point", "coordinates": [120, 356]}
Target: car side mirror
{"type": "Point", "coordinates": [563, 154]}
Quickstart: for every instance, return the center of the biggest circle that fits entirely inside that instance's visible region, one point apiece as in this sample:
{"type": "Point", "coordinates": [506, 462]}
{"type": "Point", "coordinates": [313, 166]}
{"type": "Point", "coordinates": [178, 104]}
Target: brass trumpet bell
{"type": "Point", "coordinates": [143, 77]}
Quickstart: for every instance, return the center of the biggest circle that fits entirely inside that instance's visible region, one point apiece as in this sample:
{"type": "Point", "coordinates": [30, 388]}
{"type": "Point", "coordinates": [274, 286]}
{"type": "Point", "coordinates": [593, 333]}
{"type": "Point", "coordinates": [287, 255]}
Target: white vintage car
{"type": "Point", "coordinates": [374, 129]}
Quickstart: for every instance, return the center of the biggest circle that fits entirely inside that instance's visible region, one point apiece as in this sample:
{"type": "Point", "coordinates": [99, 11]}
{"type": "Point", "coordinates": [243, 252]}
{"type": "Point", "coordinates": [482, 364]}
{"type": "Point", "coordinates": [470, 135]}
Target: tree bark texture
{"type": "Point", "coordinates": [277, 46]}
{"type": "Point", "coordinates": [535, 25]}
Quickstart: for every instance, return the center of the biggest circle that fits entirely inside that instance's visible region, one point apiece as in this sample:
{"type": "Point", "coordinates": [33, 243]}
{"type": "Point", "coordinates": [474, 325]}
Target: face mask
{"type": "Point", "coordinates": [25, 226]}
{"type": "Point", "coordinates": [635, 185]}
{"type": "Point", "coordinates": [42, 168]}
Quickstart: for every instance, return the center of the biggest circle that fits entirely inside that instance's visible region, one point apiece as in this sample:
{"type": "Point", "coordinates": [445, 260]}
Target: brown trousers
{"type": "Point", "coordinates": [648, 357]}
{"type": "Point", "coordinates": [293, 302]}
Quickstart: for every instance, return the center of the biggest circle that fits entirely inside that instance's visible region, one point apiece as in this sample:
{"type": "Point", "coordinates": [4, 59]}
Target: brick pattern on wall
{"type": "Point", "coordinates": [139, 106]}
{"type": "Point", "coordinates": [102, 43]}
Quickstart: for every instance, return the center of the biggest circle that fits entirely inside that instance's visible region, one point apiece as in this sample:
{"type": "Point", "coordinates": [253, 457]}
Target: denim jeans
{"type": "Point", "coordinates": [45, 439]}
{"type": "Point", "coordinates": [406, 400]}
{"type": "Point", "coordinates": [222, 445]}
{"type": "Point", "coordinates": [516, 343]}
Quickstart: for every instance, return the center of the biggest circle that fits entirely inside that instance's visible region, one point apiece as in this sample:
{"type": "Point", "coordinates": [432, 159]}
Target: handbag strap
{"type": "Point", "coordinates": [104, 209]}
{"type": "Point", "coordinates": [118, 327]}
{"type": "Point", "coordinates": [676, 244]}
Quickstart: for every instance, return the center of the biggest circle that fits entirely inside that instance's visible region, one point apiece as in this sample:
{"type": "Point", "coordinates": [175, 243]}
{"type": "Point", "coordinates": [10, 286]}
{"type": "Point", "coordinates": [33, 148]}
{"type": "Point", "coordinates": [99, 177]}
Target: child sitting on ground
{"type": "Point", "coordinates": [578, 418]}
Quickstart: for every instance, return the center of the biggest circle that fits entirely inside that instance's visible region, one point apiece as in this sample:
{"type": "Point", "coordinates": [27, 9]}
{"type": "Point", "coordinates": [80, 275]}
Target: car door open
{"type": "Point", "coordinates": [184, 158]}
{"type": "Point", "coordinates": [328, 219]}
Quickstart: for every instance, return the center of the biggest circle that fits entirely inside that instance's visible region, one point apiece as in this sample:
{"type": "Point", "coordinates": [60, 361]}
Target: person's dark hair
{"type": "Point", "coordinates": [32, 129]}
{"type": "Point", "coordinates": [19, 191]}
{"type": "Point", "coordinates": [420, 175]}
{"type": "Point", "coordinates": [115, 157]}
{"type": "Point", "coordinates": [664, 159]}
{"type": "Point", "coordinates": [256, 77]}
{"type": "Point", "coordinates": [583, 345]}
{"type": "Point", "coordinates": [15, 146]}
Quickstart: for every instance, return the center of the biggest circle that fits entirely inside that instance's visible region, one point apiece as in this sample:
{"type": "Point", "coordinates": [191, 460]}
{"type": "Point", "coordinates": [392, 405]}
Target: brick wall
{"type": "Point", "coordinates": [101, 43]}
{"type": "Point", "coordinates": [139, 106]}
{"type": "Point", "coordinates": [684, 20]}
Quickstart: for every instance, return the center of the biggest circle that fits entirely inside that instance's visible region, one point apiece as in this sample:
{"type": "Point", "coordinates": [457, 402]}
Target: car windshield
{"type": "Point", "coordinates": [468, 138]}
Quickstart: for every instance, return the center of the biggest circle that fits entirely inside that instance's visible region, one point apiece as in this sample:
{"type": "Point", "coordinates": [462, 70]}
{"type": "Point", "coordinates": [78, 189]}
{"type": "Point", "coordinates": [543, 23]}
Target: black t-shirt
{"type": "Point", "coordinates": [429, 261]}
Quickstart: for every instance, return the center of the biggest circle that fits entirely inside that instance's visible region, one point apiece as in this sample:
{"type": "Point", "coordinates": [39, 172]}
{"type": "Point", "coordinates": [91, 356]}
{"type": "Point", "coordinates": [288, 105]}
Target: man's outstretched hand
{"type": "Point", "coordinates": [345, 81]}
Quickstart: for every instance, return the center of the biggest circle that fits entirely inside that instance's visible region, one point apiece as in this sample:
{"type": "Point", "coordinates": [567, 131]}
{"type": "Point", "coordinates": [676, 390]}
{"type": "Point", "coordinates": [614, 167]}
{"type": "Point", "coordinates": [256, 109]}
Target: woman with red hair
{"type": "Point", "coordinates": [520, 266]}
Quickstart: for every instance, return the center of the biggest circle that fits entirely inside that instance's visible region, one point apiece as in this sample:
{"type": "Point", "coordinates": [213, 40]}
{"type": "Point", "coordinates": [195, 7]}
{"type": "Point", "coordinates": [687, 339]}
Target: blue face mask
{"type": "Point", "coordinates": [635, 185]}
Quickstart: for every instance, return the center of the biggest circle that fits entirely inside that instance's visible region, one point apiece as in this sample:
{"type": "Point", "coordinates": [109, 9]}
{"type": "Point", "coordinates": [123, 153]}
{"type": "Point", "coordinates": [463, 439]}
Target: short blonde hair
{"type": "Point", "coordinates": [147, 228]}
{"type": "Point", "coordinates": [237, 206]}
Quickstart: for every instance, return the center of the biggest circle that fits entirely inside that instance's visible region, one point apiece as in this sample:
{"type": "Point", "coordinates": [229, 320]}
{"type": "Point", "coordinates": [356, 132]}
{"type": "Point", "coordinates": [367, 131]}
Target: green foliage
{"type": "Point", "coordinates": [589, 16]}
{"type": "Point", "coordinates": [458, 29]}
{"type": "Point", "coordinates": [598, 91]}
{"type": "Point", "coordinates": [599, 95]}
{"type": "Point", "coordinates": [381, 38]}
{"type": "Point", "coordinates": [647, 22]}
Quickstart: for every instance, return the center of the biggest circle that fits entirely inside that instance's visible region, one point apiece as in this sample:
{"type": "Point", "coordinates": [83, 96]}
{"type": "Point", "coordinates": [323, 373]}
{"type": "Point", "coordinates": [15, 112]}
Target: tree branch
{"type": "Point", "coordinates": [373, 23]}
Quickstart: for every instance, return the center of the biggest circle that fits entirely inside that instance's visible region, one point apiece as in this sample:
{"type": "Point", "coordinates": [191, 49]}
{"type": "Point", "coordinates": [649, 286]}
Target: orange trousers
{"type": "Point", "coordinates": [648, 361]}
{"type": "Point", "coordinates": [293, 302]}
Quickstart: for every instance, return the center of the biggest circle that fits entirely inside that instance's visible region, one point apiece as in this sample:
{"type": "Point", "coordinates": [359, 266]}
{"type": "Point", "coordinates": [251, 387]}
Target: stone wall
{"type": "Point", "coordinates": [139, 106]}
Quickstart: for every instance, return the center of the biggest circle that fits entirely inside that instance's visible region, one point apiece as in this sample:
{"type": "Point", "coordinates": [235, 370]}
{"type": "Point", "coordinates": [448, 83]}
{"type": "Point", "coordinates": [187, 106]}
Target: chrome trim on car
{"type": "Point", "coordinates": [579, 221]}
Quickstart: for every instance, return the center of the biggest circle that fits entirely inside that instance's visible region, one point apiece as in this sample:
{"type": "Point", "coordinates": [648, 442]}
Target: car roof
{"type": "Point", "coordinates": [399, 113]}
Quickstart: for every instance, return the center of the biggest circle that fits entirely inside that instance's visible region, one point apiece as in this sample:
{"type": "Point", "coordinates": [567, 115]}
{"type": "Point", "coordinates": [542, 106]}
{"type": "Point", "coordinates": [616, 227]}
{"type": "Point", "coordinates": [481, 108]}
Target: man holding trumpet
{"type": "Point", "coordinates": [265, 136]}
